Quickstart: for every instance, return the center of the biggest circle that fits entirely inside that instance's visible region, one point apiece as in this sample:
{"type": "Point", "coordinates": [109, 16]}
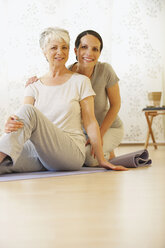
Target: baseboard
{"type": "Point", "coordinates": [131, 143]}
{"type": "Point", "coordinates": [140, 144]}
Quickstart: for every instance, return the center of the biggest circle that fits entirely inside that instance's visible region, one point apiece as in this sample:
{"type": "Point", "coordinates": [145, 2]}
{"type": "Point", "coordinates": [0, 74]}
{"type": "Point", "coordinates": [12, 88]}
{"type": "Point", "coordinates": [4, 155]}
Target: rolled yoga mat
{"type": "Point", "coordinates": [133, 159]}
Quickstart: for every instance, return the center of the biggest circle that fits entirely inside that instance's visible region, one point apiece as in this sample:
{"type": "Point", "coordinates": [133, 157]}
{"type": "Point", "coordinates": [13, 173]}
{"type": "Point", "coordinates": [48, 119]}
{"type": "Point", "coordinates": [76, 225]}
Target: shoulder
{"type": "Point", "coordinates": [104, 67]}
{"type": "Point", "coordinates": [107, 69]}
{"type": "Point", "coordinates": [80, 78]}
{"type": "Point", "coordinates": [83, 84]}
{"type": "Point", "coordinates": [107, 73]}
{"type": "Point", "coordinates": [34, 87]}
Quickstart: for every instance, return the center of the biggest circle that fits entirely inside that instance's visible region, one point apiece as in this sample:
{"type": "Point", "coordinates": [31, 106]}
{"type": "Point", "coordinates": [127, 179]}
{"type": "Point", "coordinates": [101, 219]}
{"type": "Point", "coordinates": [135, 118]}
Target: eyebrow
{"type": "Point", "coordinates": [84, 44]}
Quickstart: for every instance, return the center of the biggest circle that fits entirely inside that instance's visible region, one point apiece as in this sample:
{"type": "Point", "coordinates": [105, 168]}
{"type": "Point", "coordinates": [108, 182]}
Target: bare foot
{"type": "Point", "coordinates": [2, 156]}
{"type": "Point", "coordinates": [112, 155]}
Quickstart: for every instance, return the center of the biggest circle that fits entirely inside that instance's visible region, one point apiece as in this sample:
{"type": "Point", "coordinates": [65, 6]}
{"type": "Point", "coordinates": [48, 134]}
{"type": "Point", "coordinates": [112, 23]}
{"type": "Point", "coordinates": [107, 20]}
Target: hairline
{"type": "Point", "coordinates": [51, 34]}
{"type": "Point", "coordinates": [88, 32]}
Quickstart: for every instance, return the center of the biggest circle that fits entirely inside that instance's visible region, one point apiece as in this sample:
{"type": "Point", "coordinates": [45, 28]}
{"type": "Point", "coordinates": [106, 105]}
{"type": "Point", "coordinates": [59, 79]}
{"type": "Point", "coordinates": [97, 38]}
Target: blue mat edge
{"type": "Point", "coordinates": [47, 174]}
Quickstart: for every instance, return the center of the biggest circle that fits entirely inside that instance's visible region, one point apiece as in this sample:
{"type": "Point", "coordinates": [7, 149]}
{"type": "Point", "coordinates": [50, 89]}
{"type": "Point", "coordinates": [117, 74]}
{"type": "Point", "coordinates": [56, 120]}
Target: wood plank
{"type": "Point", "coordinates": [102, 210]}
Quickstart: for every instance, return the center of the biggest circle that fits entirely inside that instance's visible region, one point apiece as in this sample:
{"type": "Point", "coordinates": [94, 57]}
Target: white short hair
{"type": "Point", "coordinates": [53, 33]}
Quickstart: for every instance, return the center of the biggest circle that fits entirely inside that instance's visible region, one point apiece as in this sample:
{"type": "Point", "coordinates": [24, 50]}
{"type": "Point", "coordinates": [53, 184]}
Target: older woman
{"type": "Point", "coordinates": [51, 115]}
{"type": "Point", "coordinates": [88, 47]}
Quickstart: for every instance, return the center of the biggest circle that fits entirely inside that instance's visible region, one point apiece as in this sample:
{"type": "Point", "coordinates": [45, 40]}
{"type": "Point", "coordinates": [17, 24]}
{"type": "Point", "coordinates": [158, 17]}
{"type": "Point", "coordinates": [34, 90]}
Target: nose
{"type": "Point", "coordinates": [59, 50]}
{"type": "Point", "coordinates": [89, 51]}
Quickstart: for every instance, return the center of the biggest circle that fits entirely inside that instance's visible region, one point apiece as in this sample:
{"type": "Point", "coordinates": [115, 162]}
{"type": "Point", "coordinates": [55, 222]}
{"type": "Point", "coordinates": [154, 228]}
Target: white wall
{"type": "Point", "coordinates": [132, 34]}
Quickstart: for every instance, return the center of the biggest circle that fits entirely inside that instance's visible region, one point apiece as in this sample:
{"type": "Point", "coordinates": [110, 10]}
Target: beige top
{"type": "Point", "coordinates": [102, 78]}
{"type": "Point", "coordinates": [61, 104]}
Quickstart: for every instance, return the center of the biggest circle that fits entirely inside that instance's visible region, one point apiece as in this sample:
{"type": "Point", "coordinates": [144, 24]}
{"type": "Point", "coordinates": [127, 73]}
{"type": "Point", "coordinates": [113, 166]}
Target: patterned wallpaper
{"type": "Point", "coordinates": [131, 31]}
{"type": "Point", "coordinates": [137, 55]}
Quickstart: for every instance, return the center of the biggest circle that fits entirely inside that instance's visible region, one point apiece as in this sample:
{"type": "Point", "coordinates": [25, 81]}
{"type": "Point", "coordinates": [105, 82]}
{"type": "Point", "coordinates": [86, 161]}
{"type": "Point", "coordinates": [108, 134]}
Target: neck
{"type": "Point", "coordinates": [57, 70]}
{"type": "Point", "coordinates": [87, 71]}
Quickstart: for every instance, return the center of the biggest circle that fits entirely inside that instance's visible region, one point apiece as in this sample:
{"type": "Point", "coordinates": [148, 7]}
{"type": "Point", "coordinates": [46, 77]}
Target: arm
{"type": "Point", "coordinates": [93, 131]}
{"type": "Point", "coordinates": [13, 123]}
{"type": "Point", "coordinates": [113, 94]}
{"type": "Point", "coordinates": [29, 100]}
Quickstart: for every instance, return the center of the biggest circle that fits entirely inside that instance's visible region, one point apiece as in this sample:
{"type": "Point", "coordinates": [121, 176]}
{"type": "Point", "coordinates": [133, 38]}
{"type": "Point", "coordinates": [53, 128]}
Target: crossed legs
{"type": "Point", "coordinates": [55, 149]}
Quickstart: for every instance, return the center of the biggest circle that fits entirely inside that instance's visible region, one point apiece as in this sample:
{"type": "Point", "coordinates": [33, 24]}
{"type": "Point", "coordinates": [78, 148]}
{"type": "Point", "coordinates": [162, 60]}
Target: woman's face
{"type": "Point", "coordinates": [57, 52]}
{"type": "Point", "coordinates": [88, 51]}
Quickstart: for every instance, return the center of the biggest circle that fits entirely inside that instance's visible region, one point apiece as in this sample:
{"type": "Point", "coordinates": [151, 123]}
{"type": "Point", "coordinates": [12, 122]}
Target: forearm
{"type": "Point", "coordinates": [92, 128]}
{"type": "Point", "coordinates": [93, 132]}
{"type": "Point", "coordinates": [109, 119]}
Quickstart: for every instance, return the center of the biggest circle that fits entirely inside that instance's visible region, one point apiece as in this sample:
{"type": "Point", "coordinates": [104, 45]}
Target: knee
{"type": "Point", "coordinates": [27, 111]}
{"type": "Point", "coordinates": [28, 107]}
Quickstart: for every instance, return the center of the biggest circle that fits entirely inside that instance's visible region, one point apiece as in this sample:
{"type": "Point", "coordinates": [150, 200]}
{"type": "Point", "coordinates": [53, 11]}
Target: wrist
{"type": "Point", "coordinates": [102, 161]}
{"type": "Point", "coordinates": [102, 131]}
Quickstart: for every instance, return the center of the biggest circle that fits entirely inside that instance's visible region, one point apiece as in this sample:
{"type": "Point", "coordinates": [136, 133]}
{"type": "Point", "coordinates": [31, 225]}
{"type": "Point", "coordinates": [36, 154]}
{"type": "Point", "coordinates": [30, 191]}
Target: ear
{"type": "Point", "coordinates": [75, 51]}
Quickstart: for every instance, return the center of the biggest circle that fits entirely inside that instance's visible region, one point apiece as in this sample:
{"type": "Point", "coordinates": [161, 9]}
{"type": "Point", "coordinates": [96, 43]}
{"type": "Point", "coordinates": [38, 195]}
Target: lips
{"type": "Point", "coordinates": [59, 58]}
{"type": "Point", "coordinates": [88, 59]}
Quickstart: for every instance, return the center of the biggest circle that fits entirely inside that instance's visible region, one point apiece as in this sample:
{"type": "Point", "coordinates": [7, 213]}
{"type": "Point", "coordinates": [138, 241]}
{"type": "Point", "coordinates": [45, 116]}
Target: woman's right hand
{"type": "Point", "coordinates": [31, 80]}
{"type": "Point", "coordinates": [13, 124]}
{"type": "Point", "coordinates": [107, 165]}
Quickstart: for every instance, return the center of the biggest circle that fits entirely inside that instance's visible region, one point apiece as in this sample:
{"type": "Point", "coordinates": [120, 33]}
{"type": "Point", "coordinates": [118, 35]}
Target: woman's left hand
{"type": "Point", "coordinates": [92, 150]}
{"type": "Point", "coordinates": [107, 165]}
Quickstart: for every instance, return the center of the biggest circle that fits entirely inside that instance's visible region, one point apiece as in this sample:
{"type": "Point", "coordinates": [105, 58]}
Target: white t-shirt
{"type": "Point", "coordinates": [61, 104]}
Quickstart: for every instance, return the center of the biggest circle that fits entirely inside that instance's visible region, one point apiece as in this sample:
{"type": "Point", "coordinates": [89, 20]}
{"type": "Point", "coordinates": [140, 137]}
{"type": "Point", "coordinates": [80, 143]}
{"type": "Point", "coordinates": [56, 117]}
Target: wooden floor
{"type": "Point", "coordinates": [102, 210]}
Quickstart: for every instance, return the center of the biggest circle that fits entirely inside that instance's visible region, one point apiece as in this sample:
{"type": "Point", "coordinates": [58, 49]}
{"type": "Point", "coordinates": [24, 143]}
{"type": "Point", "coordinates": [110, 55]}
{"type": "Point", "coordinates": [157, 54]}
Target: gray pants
{"type": "Point", "coordinates": [49, 147]}
{"type": "Point", "coordinates": [111, 140]}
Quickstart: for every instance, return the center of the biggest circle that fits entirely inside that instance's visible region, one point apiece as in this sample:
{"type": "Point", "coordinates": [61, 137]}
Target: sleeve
{"type": "Point", "coordinates": [30, 91]}
{"type": "Point", "coordinates": [86, 88]}
{"type": "Point", "coordinates": [110, 75]}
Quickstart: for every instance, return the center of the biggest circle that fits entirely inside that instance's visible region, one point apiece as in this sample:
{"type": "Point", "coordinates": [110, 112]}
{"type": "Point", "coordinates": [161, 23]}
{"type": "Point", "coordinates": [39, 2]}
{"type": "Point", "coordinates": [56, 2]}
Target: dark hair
{"type": "Point", "coordinates": [91, 32]}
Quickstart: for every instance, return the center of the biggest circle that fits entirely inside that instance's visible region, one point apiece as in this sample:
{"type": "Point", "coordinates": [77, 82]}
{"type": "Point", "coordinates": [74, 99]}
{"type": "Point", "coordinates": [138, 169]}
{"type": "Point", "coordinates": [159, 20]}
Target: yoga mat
{"type": "Point", "coordinates": [133, 159]}
{"type": "Point", "coordinates": [44, 174]}
{"type": "Point", "coordinates": [129, 160]}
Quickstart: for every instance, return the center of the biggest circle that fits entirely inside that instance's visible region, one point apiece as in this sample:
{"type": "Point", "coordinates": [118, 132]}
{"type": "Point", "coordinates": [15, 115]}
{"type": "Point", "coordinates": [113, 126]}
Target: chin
{"type": "Point", "coordinates": [88, 63]}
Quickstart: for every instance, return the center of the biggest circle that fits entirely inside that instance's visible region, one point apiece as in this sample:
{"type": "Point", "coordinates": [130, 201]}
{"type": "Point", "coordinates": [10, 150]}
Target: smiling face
{"type": "Point", "coordinates": [57, 52]}
{"type": "Point", "coordinates": [88, 51]}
